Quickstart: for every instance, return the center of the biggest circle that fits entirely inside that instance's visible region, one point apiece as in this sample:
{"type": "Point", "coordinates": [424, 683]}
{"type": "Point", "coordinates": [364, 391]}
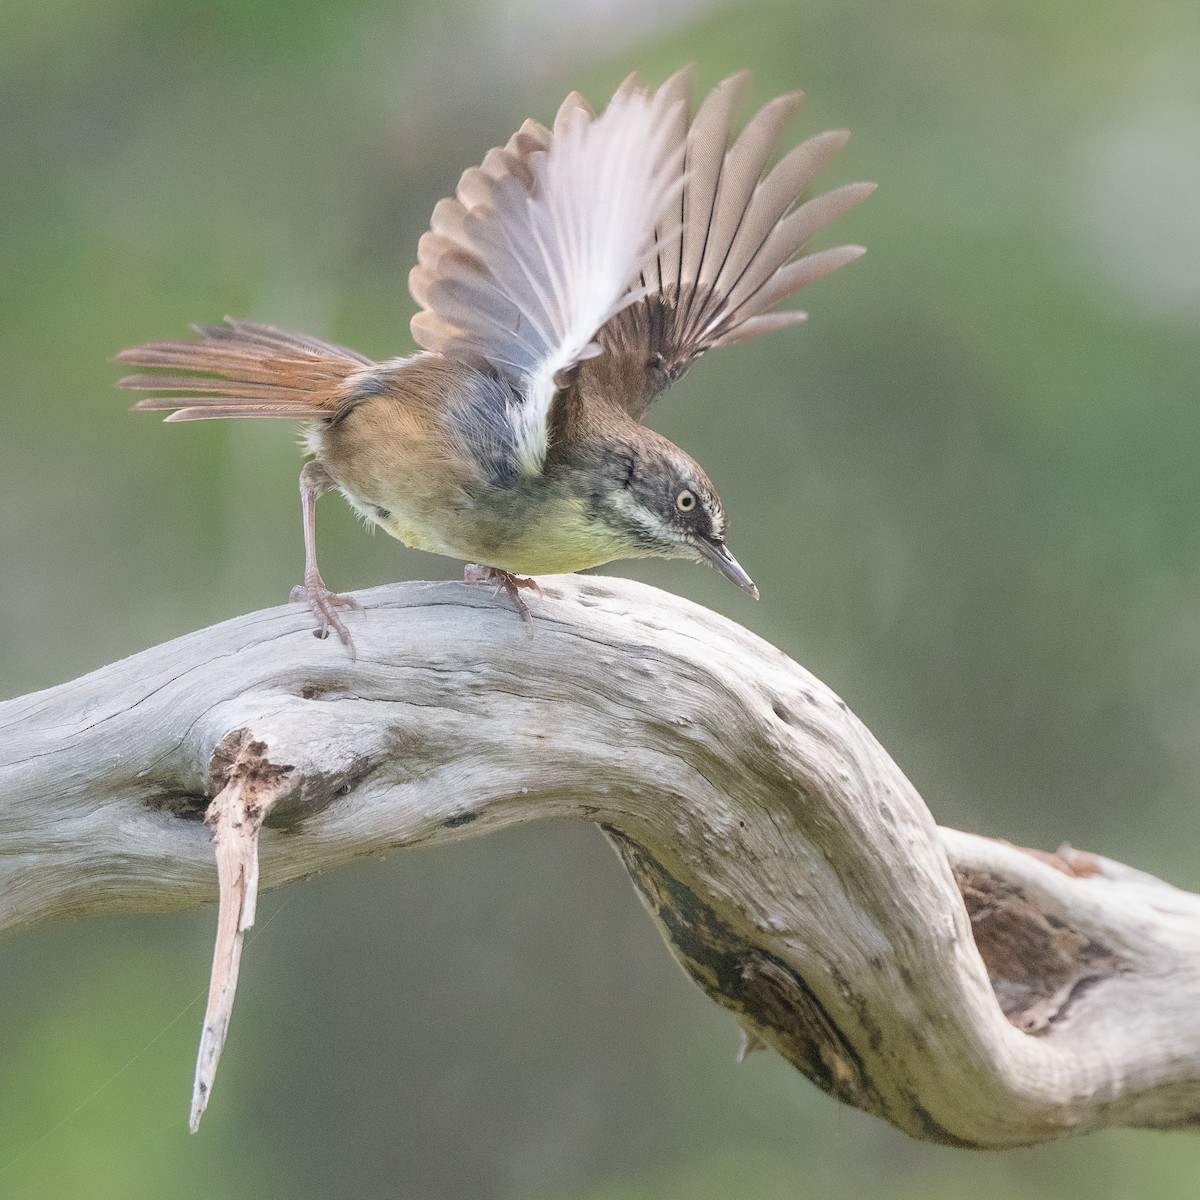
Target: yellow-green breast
{"type": "Point", "coordinates": [549, 536]}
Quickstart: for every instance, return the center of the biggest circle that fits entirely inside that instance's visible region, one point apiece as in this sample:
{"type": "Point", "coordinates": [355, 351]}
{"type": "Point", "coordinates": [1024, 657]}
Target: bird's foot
{"type": "Point", "coordinates": [324, 605]}
{"type": "Point", "coordinates": [512, 584]}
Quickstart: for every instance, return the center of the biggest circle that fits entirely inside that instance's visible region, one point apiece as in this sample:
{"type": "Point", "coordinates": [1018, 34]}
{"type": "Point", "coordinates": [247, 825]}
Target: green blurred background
{"type": "Point", "coordinates": [967, 489]}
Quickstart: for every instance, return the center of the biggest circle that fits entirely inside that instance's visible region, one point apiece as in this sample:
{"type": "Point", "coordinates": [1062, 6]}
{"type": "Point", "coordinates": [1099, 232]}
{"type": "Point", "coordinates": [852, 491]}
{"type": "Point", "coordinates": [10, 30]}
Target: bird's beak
{"type": "Point", "coordinates": [718, 554]}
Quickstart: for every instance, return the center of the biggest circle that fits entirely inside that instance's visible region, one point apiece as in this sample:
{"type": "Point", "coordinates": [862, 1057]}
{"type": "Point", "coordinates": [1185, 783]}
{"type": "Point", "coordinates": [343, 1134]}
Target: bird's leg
{"type": "Point", "coordinates": [314, 483]}
{"type": "Point", "coordinates": [512, 584]}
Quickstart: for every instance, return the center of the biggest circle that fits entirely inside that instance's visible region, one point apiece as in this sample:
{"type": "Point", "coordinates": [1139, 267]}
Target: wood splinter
{"type": "Point", "coordinates": [235, 816]}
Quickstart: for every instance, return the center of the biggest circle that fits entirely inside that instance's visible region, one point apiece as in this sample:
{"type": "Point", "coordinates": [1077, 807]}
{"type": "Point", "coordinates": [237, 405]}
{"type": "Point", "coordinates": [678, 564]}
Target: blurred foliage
{"type": "Point", "coordinates": [967, 489]}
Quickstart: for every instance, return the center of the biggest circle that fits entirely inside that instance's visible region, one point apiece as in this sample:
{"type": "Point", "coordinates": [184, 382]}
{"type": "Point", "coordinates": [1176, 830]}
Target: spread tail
{"type": "Point", "coordinates": [246, 370]}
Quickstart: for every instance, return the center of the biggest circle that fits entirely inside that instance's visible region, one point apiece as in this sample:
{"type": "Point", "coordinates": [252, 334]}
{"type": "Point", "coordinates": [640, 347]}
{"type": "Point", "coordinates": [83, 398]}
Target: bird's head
{"type": "Point", "coordinates": [664, 505]}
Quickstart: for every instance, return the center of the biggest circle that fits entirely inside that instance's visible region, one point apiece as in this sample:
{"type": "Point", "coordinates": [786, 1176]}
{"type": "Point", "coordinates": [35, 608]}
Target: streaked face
{"type": "Point", "coordinates": [670, 508]}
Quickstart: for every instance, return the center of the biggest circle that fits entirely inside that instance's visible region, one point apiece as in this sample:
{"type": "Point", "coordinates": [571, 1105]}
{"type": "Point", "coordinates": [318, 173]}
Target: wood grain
{"type": "Point", "coordinates": [968, 991]}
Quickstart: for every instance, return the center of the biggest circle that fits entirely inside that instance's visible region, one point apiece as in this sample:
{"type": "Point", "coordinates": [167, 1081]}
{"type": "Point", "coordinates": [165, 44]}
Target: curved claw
{"type": "Point", "coordinates": [324, 605]}
{"type": "Point", "coordinates": [512, 584]}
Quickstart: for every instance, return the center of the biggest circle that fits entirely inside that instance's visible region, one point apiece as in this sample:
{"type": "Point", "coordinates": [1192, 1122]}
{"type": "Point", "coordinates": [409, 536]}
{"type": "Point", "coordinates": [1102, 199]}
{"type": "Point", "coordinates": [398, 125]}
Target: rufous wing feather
{"type": "Point", "coordinates": [740, 250]}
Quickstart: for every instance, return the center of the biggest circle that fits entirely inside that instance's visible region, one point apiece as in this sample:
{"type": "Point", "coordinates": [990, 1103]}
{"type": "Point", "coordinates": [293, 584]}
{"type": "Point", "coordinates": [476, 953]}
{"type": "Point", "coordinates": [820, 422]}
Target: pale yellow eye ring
{"type": "Point", "coordinates": [686, 500]}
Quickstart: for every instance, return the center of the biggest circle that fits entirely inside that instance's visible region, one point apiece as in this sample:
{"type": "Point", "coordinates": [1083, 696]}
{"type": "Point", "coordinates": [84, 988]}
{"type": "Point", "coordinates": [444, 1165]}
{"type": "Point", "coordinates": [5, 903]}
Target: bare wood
{"type": "Point", "coordinates": [249, 785]}
{"type": "Point", "coordinates": [970, 992]}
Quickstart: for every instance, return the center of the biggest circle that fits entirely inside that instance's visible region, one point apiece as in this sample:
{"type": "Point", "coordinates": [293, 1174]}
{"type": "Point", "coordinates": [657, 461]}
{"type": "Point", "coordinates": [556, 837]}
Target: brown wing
{"type": "Point", "coordinates": [738, 255]}
{"type": "Point", "coordinates": [533, 255]}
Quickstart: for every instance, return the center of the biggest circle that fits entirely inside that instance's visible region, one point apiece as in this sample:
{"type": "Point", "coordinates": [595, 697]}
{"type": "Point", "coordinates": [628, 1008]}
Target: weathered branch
{"type": "Point", "coordinates": [967, 991]}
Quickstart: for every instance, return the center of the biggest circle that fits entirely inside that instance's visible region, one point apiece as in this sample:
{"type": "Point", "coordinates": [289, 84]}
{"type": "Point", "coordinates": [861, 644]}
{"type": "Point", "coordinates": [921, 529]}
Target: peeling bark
{"type": "Point", "coordinates": [970, 992]}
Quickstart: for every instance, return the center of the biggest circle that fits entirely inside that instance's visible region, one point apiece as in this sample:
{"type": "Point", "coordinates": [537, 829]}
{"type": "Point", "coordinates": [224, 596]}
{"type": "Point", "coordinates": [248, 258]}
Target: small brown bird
{"type": "Point", "coordinates": [573, 277]}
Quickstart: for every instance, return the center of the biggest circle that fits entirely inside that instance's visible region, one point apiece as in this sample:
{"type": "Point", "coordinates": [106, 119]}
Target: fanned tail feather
{"type": "Point", "coordinates": [243, 369]}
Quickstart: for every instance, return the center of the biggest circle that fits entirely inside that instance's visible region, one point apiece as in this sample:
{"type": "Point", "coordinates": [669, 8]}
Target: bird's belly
{"type": "Point", "coordinates": [530, 537]}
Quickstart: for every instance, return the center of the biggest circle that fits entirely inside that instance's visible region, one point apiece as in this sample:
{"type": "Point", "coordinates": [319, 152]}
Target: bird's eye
{"type": "Point", "coordinates": [686, 500]}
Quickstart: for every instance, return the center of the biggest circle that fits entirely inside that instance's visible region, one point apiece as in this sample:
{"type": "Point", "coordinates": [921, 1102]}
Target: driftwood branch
{"type": "Point", "coordinates": [970, 992]}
